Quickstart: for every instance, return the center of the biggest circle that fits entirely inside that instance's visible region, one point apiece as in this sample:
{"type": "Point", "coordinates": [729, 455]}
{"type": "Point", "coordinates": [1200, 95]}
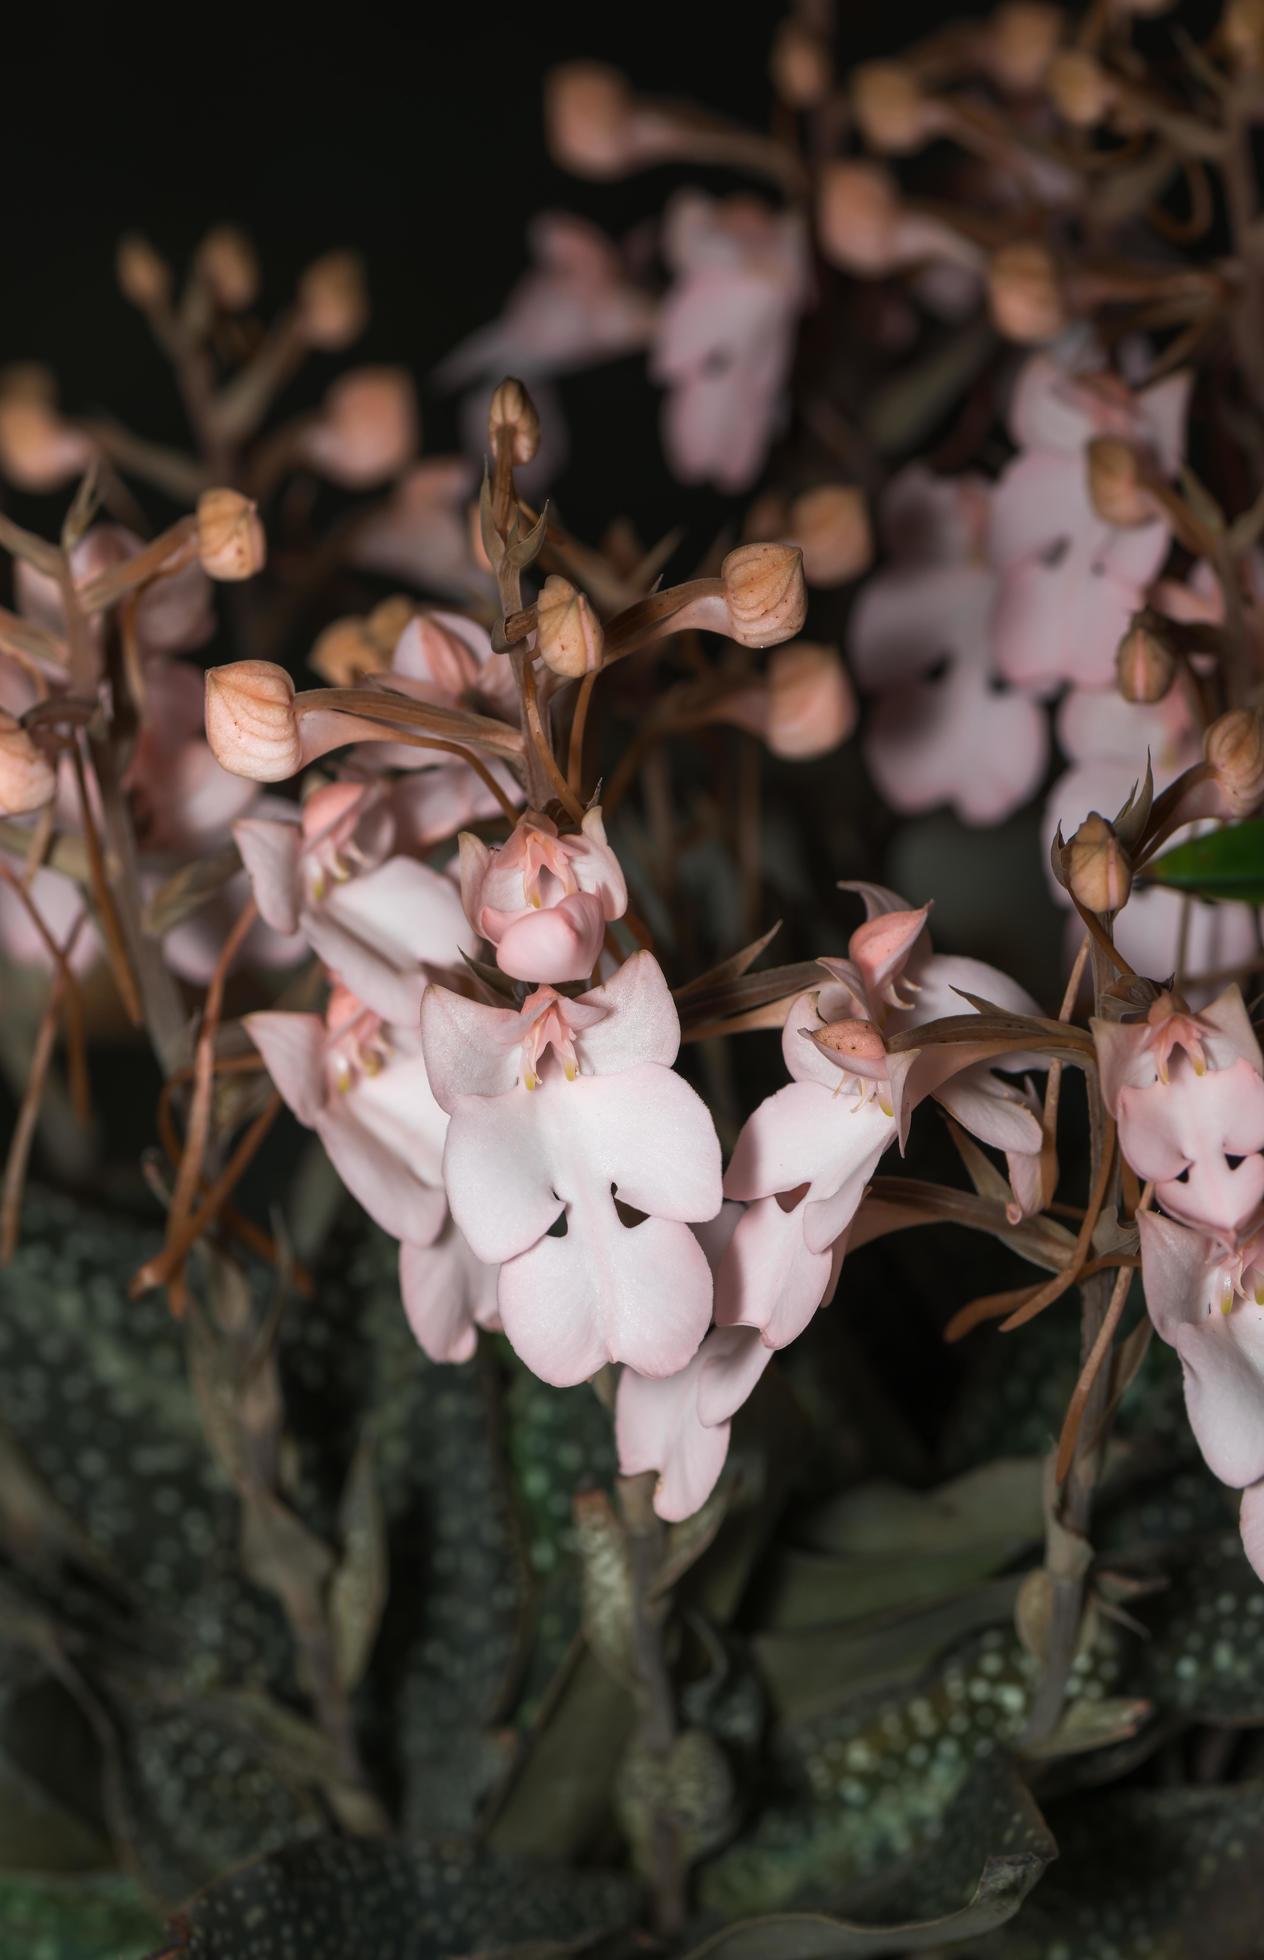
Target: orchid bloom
{"type": "Point", "coordinates": [361, 1086]}
{"type": "Point", "coordinates": [1137, 1054]}
{"type": "Point", "coordinates": [562, 1114]}
{"type": "Point", "coordinates": [725, 334]}
{"type": "Point", "coordinates": [680, 1426]}
{"type": "Point", "coordinates": [543, 900]}
{"type": "Point", "coordinates": [805, 1156]}
{"type": "Point", "coordinates": [422, 532]}
{"type": "Point", "coordinates": [1198, 1134]}
{"type": "Point", "coordinates": [1070, 581]}
{"type": "Point", "coordinates": [953, 737]}
{"type": "Point", "coordinates": [380, 922]}
{"type": "Point", "coordinates": [175, 612]}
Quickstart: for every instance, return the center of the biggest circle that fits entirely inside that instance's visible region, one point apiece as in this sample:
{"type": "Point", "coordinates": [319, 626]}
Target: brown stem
{"type": "Point", "coordinates": [579, 722]}
{"type": "Point", "coordinates": [107, 912]}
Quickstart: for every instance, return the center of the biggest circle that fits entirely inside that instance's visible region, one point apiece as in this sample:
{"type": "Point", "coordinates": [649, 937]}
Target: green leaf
{"type": "Point", "coordinates": [1226, 863]}
{"type": "Point", "coordinates": [97, 1918]}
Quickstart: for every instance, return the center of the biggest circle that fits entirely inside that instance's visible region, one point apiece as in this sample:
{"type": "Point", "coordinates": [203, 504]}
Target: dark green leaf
{"type": "Point", "coordinates": [1225, 863]}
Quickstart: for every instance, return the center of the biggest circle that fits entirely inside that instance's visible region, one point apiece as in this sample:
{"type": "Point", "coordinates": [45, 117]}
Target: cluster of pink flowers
{"type": "Point", "coordinates": [1187, 1092]}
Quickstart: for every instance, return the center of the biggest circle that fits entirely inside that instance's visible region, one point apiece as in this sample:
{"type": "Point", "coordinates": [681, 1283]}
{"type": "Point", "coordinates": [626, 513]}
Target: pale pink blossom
{"type": "Point", "coordinates": [805, 1156]}
{"type": "Point", "coordinates": [679, 1425]}
{"type": "Point", "coordinates": [1069, 581]}
{"type": "Point", "coordinates": [382, 923]}
{"type": "Point", "coordinates": [726, 332]}
{"type": "Point", "coordinates": [1206, 1299]}
{"type": "Point", "coordinates": [367, 430]}
{"type": "Point", "coordinates": [561, 1114]}
{"type": "Point", "coordinates": [543, 900]}
{"type": "Point", "coordinates": [1136, 1054]}
{"type": "Point", "coordinates": [1198, 1135]}
{"type": "Point", "coordinates": [421, 532]}
{"type": "Point", "coordinates": [952, 736]}
{"type": "Point", "coordinates": [174, 614]}
{"type": "Point", "coordinates": [361, 1086]}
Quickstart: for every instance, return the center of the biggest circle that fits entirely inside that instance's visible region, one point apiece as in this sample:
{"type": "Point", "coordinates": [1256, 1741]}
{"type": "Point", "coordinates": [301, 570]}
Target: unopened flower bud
{"type": "Point", "coordinates": [333, 305]}
{"type": "Point", "coordinates": [1234, 746]}
{"type": "Point", "coordinates": [1081, 90]}
{"type": "Point", "coordinates": [230, 539]}
{"type": "Point", "coordinates": [800, 65]}
{"type": "Point", "coordinates": [765, 593]}
{"type": "Point", "coordinates": [830, 525]}
{"type": "Point", "coordinates": [368, 428]}
{"type": "Point", "coordinates": [891, 108]}
{"type": "Point", "coordinates": [569, 636]}
{"type": "Point", "coordinates": [38, 450]}
{"type": "Point", "coordinates": [229, 264]}
{"type": "Point", "coordinates": [1242, 33]}
{"type": "Point", "coordinates": [388, 619]}
{"type": "Point", "coordinates": [1022, 39]}
{"type": "Point", "coordinates": [811, 701]}
{"type": "Point", "coordinates": [344, 653]}
{"type": "Point", "coordinates": [513, 412]}
{"type": "Point", "coordinates": [1096, 866]}
{"type": "Point", "coordinates": [251, 722]}
{"type": "Point", "coordinates": [858, 215]}
{"type": "Point", "coordinates": [588, 110]}
{"type": "Point", "coordinates": [1025, 293]}
{"type": "Point", "coordinates": [1144, 664]}
{"type": "Point", "coordinates": [144, 277]}
{"type": "Point", "coordinates": [1117, 479]}
{"type": "Point", "coordinates": [28, 780]}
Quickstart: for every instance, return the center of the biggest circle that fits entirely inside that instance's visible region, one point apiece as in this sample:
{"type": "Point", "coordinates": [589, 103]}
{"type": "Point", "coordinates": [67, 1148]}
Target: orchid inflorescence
{"type": "Point", "coordinates": [428, 868]}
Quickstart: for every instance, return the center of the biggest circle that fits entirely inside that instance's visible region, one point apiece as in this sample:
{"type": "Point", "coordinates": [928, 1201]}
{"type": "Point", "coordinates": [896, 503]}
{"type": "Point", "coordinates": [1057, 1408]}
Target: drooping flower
{"type": "Point", "coordinates": [361, 1085]}
{"type": "Point", "coordinates": [1198, 1135]}
{"type": "Point", "coordinates": [543, 900]}
{"type": "Point", "coordinates": [1206, 1299]}
{"type": "Point", "coordinates": [381, 922]}
{"type": "Point", "coordinates": [1070, 581]}
{"type": "Point", "coordinates": [565, 1116]}
{"type": "Point", "coordinates": [680, 1425]}
{"type": "Point", "coordinates": [725, 334]}
{"type": "Point", "coordinates": [951, 736]}
{"type": "Point", "coordinates": [805, 1156]}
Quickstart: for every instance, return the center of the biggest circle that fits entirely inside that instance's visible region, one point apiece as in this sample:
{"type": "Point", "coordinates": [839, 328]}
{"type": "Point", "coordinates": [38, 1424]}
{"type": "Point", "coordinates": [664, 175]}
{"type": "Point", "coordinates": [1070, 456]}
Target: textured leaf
{"type": "Point", "coordinates": [1226, 863]}
{"type": "Point", "coordinates": [98, 1918]}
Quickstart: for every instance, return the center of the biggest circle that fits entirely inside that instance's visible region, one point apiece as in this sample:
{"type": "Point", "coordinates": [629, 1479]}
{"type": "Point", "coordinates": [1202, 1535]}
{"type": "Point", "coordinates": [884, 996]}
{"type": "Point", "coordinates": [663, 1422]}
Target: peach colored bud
{"type": "Point", "coordinates": [569, 636]}
{"type": "Point", "coordinates": [588, 112]}
{"type": "Point", "coordinates": [891, 108]}
{"type": "Point", "coordinates": [28, 780]}
{"type": "Point", "coordinates": [368, 428]}
{"type": "Point", "coordinates": [1234, 746]}
{"type": "Point", "coordinates": [811, 701]}
{"type": "Point", "coordinates": [1242, 33]}
{"type": "Point", "coordinates": [144, 277]}
{"type": "Point", "coordinates": [800, 66]}
{"type": "Point", "coordinates": [231, 544]}
{"type": "Point", "coordinates": [1025, 293]}
{"type": "Point", "coordinates": [333, 304]}
{"type": "Point", "coordinates": [344, 653]}
{"type": "Point", "coordinates": [765, 593]}
{"type": "Point", "coordinates": [1144, 665]}
{"type": "Point", "coordinates": [830, 525]}
{"type": "Point", "coordinates": [1080, 89]}
{"type": "Point", "coordinates": [38, 450]}
{"type": "Point", "coordinates": [1022, 39]}
{"type": "Point", "coordinates": [513, 412]}
{"type": "Point", "coordinates": [1117, 482]}
{"type": "Point", "coordinates": [229, 264]}
{"type": "Point", "coordinates": [388, 619]}
{"type": "Point", "coordinates": [1096, 866]}
{"type": "Point", "coordinates": [858, 216]}
{"type": "Point", "coordinates": [251, 722]}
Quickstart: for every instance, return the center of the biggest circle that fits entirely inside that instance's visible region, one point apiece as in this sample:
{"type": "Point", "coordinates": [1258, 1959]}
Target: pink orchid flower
{"type": "Point", "coordinates": [574, 307]}
{"type": "Point", "coordinates": [361, 1086]}
{"type": "Point", "coordinates": [380, 922]}
{"type": "Point", "coordinates": [680, 1425]}
{"type": "Point", "coordinates": [725, 334]}
{"type": "Point", "coordinates": [421, 532]}
{"type": "Point", "coordinates": [562, 1114]}
{"type": "Point", "coordinates": [954, 737]}
{"type": "Point", "coordinates": [1206, 1299]}
{"type": "Point", "coordinates": [1184, 1132]}
{"type": "Point", "coordinates": [543, 900]}
{"type": "Point", "coordinates": [805, 1156]}
{"type": "Point", "coordinates": [1137, 1054]}
{"type": "Point", "coordinates": [175, 614]}
{"type": "Point", "coordinates": [1106, 740]}
{"type": "Point", "coordinates": [1069, 581]}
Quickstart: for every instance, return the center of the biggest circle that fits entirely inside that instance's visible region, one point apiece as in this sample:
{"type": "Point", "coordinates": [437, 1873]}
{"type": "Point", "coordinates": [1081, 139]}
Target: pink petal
{"type": "Point", "coordinates": [657, 1428]}
{"type": "Point", "coordinates": [470, 1049]}
{"type": "Point", "coordinates": [379, 930]}
{"type": "Point", "coordinates": [447, 1294]}
{"type": "Point", "coordinates": [270, 850]}
{"type": "Point", "coordinates": [293, 1049]}
{"type": "Point", "coordinates": [732, 1361]}
{"type": "Point", "coordinates": [1193, 1124]}
{"type": "Point", "coordinates": [908, 618]}
{"type": "Point", "coordinates": [768, 1279]}
{"type": "Point", "coordinates": [383, 1182]}
{"type": "Point", "coordinates": [640, 1023]}
{"type": "Point", "coordinates": [556, 943]}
